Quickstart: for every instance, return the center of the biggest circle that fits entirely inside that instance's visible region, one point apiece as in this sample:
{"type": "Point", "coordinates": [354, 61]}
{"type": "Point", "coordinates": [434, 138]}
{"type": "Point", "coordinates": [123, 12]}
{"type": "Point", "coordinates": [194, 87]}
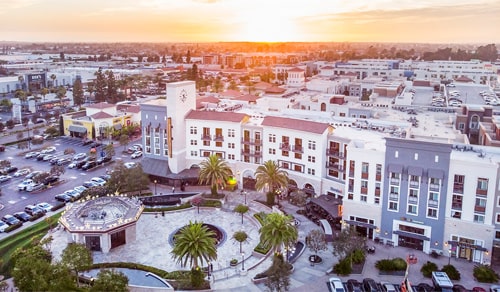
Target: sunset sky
{"type": "Point", "coordinates": [435, 21]}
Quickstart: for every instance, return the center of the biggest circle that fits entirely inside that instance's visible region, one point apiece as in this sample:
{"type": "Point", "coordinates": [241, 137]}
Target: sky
{"type": "Point", "coordinates": [410, 21]}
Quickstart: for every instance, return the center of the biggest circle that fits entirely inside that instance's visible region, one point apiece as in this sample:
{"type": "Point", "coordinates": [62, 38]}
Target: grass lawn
{"type": "Point", "coordinates": [20, 240]}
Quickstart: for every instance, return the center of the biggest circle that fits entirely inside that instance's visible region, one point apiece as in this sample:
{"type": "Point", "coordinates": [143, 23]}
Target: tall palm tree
{"type": "Point", "coordinates": [270, 177]}
{"type": "Point", "coordinates": [195, 244]}
{"type": "Point", "coordinates": [278, 230]}
{"type": "Point", "coordinates": [214, 171]}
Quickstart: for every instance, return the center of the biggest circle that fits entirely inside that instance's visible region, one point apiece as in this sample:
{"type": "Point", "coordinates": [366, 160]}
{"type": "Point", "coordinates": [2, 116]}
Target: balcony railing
{"type": "Point", "coordinates": [284, 146]}
{"type": "Point", "coordinates": [434, 187]}
{"type": "Point", "coordinates": [218, 138]}
{"type": "Point", "coordinates": [432, 203]}
{"type": "Point", "coordinates": [394, 181]}
{"type": "Point", "coordinates": [481, 192]}
{"type": "Point", "coordinates": [378, 177]}
{"type": "Point", "coordinates": [247, 152]}
{"type": "Point", "coordinates": [479, 209]}
{"type": "Point", "coordinates": [394, 197]}
{"type": "Point", "coordinates": [364, 175]}
{"type": "Point", "coordinates": [458, 188]}
{"type": "Point", "coordinates": [248, 141]}
{"type": "Point", "coordinates": [412, 200]}
{"type": "Point", "coordinates": [298, 148]}
{"type": "Point", "coordinates": [335, 153]}
{"type": "Point", "coordinates": [205, 137]}
{"type": "Point", "coordinates": [456, 206]}
{"type": "Point", "coordinates": [335, 166]}
{"type": "Point", "coordinates": [414, 184]}
{"type": "Point", "coordinates": [364, 190]}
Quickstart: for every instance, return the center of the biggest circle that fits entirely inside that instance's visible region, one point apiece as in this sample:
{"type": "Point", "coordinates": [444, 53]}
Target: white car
{"type": "Point", "coordinates": [72, 193]}
{"type": "Point", "coordinates": [336, 285]}
{"type": "Point", "coordinates": [388, 287]}
{"type": "Point", "coordinates": [50, 149]}
{"type": "Point", "coordinates": [3, 226]}
{"type": "Point", "coordinates": [4, 178]}
{"type": "Point", "coordinates": [79, 189]}
{"type": "Point", "coordinates": [130, 164]}
{"type": "Point", "coordinates": [21, 172]}
{"type": "Point", "coordinates": [99, 181]}
{"type": "Point", "coordinates": [79, 156]}
{"type": "Point", "coordinates": [46, 207]}
{"type": "Point", "coordinates": [23, 186]}
{"type": "Point", "coordinates": [72, 165]}
{"type": "Point", "coordinates": [136, 154]}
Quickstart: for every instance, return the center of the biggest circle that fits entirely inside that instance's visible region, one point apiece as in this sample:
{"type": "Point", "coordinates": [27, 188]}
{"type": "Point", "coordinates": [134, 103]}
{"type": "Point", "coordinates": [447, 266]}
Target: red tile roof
{"type": "Point", "coordinates": [101, 105]}
{"type": "Point", "coordinates": [247, 97]}
{"type": "Point", "coordinates": [233, 93]}
{"type": "Point", "coordinates": [215, 116]}
{"type": "Point", "coordinates": [101, 115]}
{"type": "Point", "coordinates": [294, 124]}
{"type": "Point", "coordinates": [295, 69]}
{"type": "Point", "coordinates": [275, 89]}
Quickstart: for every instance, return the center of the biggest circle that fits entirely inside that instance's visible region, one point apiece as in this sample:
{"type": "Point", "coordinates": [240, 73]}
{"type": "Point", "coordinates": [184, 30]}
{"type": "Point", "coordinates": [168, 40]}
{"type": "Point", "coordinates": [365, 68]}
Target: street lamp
{"type": "Point", "coordinates": [209, 267]}
{"type": "Point", "coordinates": [242, 261]}
{"type": "Point", "coordinates": [155, 186]}
{"type": "Point", "coordinates": [243, 193]}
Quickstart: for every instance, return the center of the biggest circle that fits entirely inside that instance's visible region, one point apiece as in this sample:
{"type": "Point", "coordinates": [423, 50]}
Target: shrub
{"type": "Point", "coordinates": [343, 267]}
{"type": "Point", "coordinates": [13, 227]}
{"type": "Point", "coordinates": [37, 216]}
{"type": "Point", "coordinates": [428, 268]}
{"type": "Point", "coordinates": [386, 265]}
{"type": "Point", "coordinates": [399, 264]}
{"type": "Point", "coordinates": [358, 256]}
{"type": "Point", "coordinates": [210, 196]}
{"type": "Point", "coordinates": [166, 209]}
{"type": "Point", "coordinates": [197, 276]}
{"type": "Point", "coordinates": [485, 274]}
{"type": "Point", "coordinates": [261, 217]}
{"type": "Point", "coordinates": [211, 203]}
{"type": "Point", "coordinates": [262, 249]}
{"type": "Point", "coordinates": [452, 272]}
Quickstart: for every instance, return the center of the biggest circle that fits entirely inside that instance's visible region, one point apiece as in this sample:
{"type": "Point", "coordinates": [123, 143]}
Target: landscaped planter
{"type": "Point", "coordinates": [263, 279]}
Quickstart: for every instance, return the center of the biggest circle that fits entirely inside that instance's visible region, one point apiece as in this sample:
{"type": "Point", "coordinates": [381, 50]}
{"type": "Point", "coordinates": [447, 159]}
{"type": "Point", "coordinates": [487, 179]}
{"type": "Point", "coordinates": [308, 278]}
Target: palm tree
{"type": "Point", "coordinates": [270, 177]}
{"type": "Point", "coordinates": [194, 243]}
{"type": "Point", "coordinates": [44, 91]}
{"type": "Point", "coordinates": [53, 77]}
{"type": "Point", "coordinates": [240, 237]}
{"type": "Point", "coordinates": [214, 171]}
{"type": "Point", "coordinates": [278, 230]}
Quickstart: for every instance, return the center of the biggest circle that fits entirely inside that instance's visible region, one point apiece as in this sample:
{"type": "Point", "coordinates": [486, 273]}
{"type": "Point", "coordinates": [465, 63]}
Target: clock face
{"type": "Point", "coordinates": [183, 95]}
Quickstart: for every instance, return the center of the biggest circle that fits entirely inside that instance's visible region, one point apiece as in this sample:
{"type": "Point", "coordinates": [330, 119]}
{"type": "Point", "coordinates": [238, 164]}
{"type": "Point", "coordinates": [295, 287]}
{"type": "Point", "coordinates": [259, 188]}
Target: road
{"type": "Point", "coordinates": [15, 201]}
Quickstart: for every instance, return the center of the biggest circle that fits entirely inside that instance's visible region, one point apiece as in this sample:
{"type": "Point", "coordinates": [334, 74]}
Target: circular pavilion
{"type": "Point", "coordinates": [102, 223]}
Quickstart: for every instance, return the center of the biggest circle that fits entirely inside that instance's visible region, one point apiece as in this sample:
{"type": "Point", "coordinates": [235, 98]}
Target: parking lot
{"type": "Point", "coordinates": [15, 200]}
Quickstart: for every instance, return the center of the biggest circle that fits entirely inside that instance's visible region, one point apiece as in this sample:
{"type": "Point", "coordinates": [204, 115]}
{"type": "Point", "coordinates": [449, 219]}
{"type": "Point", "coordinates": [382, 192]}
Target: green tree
{"type": "Point", "coordinates": [78, 98]}
{"type": "Point", "coordinates": [100, 84]}
{"type": "Point", "coordinates": [77, 258]}
{"type": "Point", "coordinates": [124, 141]}
{"type": "Point", "coordinates": [120, 178]}
{"type": "Point", "coordinates": [61, 94]}
{"type": "Point", "coordinates": [215, 172]}
{"type": "Point", "coordinates": [278, 278]}
{"type": "Point", "coordinates": [57, 170]}
{"type": "Point", "coordinates": [110, 280]}
{"type": "Point", "coordinates": [270, 177]}
{"type": "Point", "coordinates": [109, 150]}
{"type": "Point", "coordinates": [32, 268]}
{"type": "Point", "coordinates": [53, 77]}
{"type": "Point", "coordinates": [315, 241]}
{"type": "Point", "coordinates": [194, 243]}
{"type": "Point", "coordinates": [240, 237]}
{"type": "Point", "coordinates": [278, 230]}
{"type": "Point", "coordinates": [112, 92]}
{"type": "Point", "coordinates": [347, 242]}
{"type": "Point", "coordinates": [241, 209]}
{"type": "Point", "coordinates": [21, 95]}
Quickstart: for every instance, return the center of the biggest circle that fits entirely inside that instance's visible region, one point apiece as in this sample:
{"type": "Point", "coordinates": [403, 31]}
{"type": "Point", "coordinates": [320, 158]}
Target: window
{"type": "Point", "coordinates": [394, 190]}
{"type": "Point", "coordinates": [284, 153]}
{"type": "Point", "coordinates": [230, 145]}
{"type": "Point", "coordinates": [412, 209]}
{"type": "Point", "coordinates": [436, 158]}
{"type": "Point", "coordinates": [432, 213]}
{"type": "Point", "coordinates": [478, 218]}
{"type": "Point", "coordinates": [376, 201]}
{"type": "Point", "coordinates": [364, 198]}
{"type": "Point", "coordinates": [480, 202]}
{"type": "Point", "coordinates": [461, 126]}
{"type": "Point", "coordinates": [413, 196]}
{"type": "Point", "coordinates": [311, 159]}
{"type": "Point", "coordinates": [193, 130]}
{"type": "Point", "coordinates": [298, 155]}
{"type": "Point", "coordinates": [497, 218]}
{"type": "Point", "coordinates": [482, 184]}
{"type": "Point", "coordinates": [206, 143]}
{"type": "Point", "coordinates": [396, 154]}
{"type": "Point", "coordinates": [298, 168]}
{"type": "Point", "coordinates": [230, 133]}
{"type": "Point", "coordinates": [206, 153]}
{"type": "Point", "coordinates": [393, 206]}
{"type": "Point", "coordinates": [230, 156]}
{"type": "Point", "coordinates": [194, 153]}
{"type": "Point", "coordinates": [194, 142]}
{"type": "Point", "coordinates": [350, 196]}
{"type": "Point", "coordinates": [364, 167]}
{"type": "Point", "coordinates": [272, 151]}
{"type": "Point", "coordinates": [272, 138]}
{"type": "Point", "coordinates": [311, 145]}
{"type": "Point", "coordinates": [416, 156]}
{"type": "Point", "coordinates": [311, 171]}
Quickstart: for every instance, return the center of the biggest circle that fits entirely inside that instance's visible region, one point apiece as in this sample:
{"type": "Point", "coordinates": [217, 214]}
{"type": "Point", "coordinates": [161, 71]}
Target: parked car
{"type": "Point", "coordinates": [99, 181]}
{"type": "Point", "coordinates": [89, 164]}
{"type": "Point", "coordinates": [3, 226]}
{"type": "Point", "coordinates": [105, 177]}
{"type": "Point", "coordinates": [4, 178]}
{"type": "Point", "coordinates": [33, 210]}
{"type": "Point", "coordinates": [495, 288]}
{"type": "Point", "coordinates": [72, 165]}
{"type": "Point", "coordinates": [31, 154]}
{"type": "Point", "coordinates": [354, 286]}
{"type": "Point", "coordinates": [50, 149]}
{"type": "Point", "coordinates": [35, 187]}
{"type": "Point", "coordinates": [63, 161]}
{"type": "Point", "coordinates": [49, 157]}
{"type": "Point", "coordinates": [336, 285]}
{"type": "Point", "coordinates": [46, 207]}
{"type": "Point", "coordinates": [89, 184]}
{"type": "Point", "coordinates": [136, 154]}
{"type": "Point", "coordinates": [22, 172]}
{"type": "Point", "coordinates": [370, 285]}
{"type": "Point", "coordinates": [79, 156]}
{"type": "Point", "coordinates": [23, 216]}
{"type": "Point", "coordinates": [50, 179]}
{"type": "Point", "coordinates": [63, 198]}
{"type": "Point", "coordinates": [40, 156]}
{"type": "Point", "coordinates": [25, 183]}
{"type": "Point", "coordinates": [11, 169]}
{"type": "Point", "coordinates": [73, 194]}
{"type": "Point", "coordinates": [79, 189]}
{"type": "Point", "coordinates": [11, 220]}
{"type": "Point", "coordinates": [388, 287]}
{"type": "Point", "coordinates": [80, 163]}
{"type": "Point", "coordinates": [33, 174]}
{"type": "Point", "coordinates": [130, 164]}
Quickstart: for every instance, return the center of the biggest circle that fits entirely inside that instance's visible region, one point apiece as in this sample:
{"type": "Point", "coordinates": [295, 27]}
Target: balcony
{"type": "Point", "coordinates": [364, 175]}
{"type": "Point", "coordinates": [394, 181]}
{"type": "Point", "coordinates": [377, 192]}
{"type": "Point", "coordinates": [481, 192]}
{"type": "Point", "coordinates": [414, 184]}
{"type": "Point", "coordinates": [335, 166]}
{"type": "Point", "coordinates": [218, 138]}
{"type": "Point", "coordinates": [456, 206]}
{"type": "Point", "coordinates": [335, 153]}
{"type": "Point", "coordinates": [432, 203]}
{"type": "Point", "coordinates": [394, 197]}
{"type": "Point", "coordinates": [378, 177]}
{"type": "Point", "coordinates": [364, 191]}
{"type": "Point", "coordinates": [351, 188]}
{"type": "Point", "coordinates": [248, 141]}
{"type": "Point", "coordinates": [434, 187]}
{"type": "Point", "coordinates": [285, 146]}
{"type": "Point", "coordinates": [479, 209]}
{"type": "Point", "coordinates": [205, 137]}
{"type": "Point", "coordinates": [413, 200]}
{"type": "Point", "coordinates": [458, 188]}
{"type": "Point", "coordinates": [298, 149]}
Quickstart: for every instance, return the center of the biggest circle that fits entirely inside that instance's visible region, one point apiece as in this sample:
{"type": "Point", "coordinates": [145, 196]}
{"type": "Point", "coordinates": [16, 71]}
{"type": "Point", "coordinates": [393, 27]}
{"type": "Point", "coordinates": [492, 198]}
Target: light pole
{"type": "Point", "coordinates": [155, 186]}
{"type": "Point", "coordinates": [208, 269]}
{"type": "Point", "coordinates": [242, 261]}
{"type": "Point", "coordinates": [449, 258]}
{"type": "Point", "coordinates": [243, 193]}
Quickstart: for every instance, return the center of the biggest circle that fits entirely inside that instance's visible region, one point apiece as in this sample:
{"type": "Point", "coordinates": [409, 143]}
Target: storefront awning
{"type": "Point", "coordinates": [78, 129]}
{"type": "Point", "coordinates": [155, 167]}
{"type": "Point", "coordinates": [412, 235]}
{"type": "Point", "coordinates": [360, 224]}
{"type": "Point", "coordinates": [466, 245]}
{"type": "Point", "coordinates": [396, 168]}
{"type": "Point", "coordinates": [435, 173]}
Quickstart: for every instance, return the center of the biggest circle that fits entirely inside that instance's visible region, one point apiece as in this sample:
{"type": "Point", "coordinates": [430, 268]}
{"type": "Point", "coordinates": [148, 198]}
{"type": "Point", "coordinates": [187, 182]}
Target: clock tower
{"type": "Point", "coordinates": [181, 99]}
